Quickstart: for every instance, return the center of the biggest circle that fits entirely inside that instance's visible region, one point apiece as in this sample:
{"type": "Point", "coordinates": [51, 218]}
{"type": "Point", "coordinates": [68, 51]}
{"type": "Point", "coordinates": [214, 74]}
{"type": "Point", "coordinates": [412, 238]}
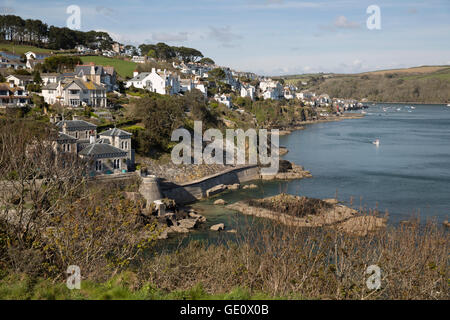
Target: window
{"type": "Point", "coordinates": [116, 163]}
{"type": "Point", "coordinates": [98, 165]}
{"type": "Point", "coordinates": [76, 134]}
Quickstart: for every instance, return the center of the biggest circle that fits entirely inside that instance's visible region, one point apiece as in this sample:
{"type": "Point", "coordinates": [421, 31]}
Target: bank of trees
{"type": "Point", "coordinates": [37, 33]}
{"type": "Point", "coordinates": [166, 52]}
{"type": "Point", "coordinates": [390, 88]}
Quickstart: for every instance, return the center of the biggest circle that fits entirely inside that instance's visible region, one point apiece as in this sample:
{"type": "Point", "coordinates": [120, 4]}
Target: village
{"type": "Point", "coordinates": [90, 86]}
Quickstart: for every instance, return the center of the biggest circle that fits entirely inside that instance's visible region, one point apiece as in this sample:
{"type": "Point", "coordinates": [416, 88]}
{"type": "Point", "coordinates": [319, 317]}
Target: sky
{"type": "Point", "coordinates": [269, 37]}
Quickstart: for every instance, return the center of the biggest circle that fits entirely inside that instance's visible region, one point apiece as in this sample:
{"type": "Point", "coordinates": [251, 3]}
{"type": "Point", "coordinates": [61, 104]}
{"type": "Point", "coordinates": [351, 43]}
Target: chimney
{"type": "Point", "coordinates": [153, 70]}
{"type": "Point", "coordinates": [91, 139]}
{"type": "Point", "coordinates": [135, 73]}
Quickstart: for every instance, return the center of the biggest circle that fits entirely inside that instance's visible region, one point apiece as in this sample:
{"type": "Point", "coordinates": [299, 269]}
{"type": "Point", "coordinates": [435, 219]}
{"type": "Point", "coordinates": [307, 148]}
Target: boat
{"type": "Point", "coordinates": [448, 105]}
{"type": "Point", "coordinates": [376, 142]}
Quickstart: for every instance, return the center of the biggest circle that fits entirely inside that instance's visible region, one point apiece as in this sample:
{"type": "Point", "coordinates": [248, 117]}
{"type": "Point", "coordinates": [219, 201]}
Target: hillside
{"type": "Point", "coordinates": [19, 49]}
{"type": "Point", "coordinates": [425, 84]}
{"type": "Point", "coordinates": [123, 68]}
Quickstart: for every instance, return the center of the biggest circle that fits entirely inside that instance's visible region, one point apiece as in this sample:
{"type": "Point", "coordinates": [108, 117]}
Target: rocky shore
{"type": "Point", "coordinates": [306, 212]}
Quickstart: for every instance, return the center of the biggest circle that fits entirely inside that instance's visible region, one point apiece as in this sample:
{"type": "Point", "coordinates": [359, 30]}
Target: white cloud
{"type": "Point", "coordinates": [343, 22]}
{"type": "Point", "coordinates": [223, 34]}
{"type": "Point", "coordinates": [170, 37]}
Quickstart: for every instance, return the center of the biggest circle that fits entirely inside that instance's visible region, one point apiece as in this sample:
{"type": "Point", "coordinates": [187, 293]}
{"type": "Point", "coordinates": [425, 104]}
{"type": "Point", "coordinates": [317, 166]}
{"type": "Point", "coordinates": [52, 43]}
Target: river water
{"type": "Point", "coordinates": [408, 174]}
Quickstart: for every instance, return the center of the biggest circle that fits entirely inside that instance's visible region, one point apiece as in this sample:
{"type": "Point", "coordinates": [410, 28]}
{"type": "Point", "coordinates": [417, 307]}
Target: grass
{"type": "Point", "coordinates": [22, 287]}
{"type": "Point", "coordinates": [123, 68]}
{"type": "Point", "coordinates": [20, 49]}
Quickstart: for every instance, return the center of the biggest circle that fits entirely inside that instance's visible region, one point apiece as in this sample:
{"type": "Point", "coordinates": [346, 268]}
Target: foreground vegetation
{"type": "Point", "coordinates": [51, 217]}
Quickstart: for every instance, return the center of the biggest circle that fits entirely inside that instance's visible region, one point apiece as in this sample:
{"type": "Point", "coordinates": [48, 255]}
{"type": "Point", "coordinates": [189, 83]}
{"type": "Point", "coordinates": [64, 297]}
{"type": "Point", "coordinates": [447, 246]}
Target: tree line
{"type": "Point", "coordinates": [37, 33]}
{"type": "Point", "coordinates": [166, 52]}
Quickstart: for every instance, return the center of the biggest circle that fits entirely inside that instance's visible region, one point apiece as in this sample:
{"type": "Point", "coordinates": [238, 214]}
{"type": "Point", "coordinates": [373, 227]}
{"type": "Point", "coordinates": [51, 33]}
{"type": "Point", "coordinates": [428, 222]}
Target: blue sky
{"type": "Point", "coordinates": [270, 37]}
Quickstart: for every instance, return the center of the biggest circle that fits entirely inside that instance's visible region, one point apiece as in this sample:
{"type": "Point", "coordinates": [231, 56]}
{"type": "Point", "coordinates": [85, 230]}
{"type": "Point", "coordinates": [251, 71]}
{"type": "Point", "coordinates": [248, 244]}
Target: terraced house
{"type": "Point", "coordinates": [11, 96]}
{"type": "Point", "coordinates": [75, 92]}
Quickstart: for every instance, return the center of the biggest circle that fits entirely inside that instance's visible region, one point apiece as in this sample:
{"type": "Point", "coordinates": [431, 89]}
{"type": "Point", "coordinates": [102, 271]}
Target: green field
{"type": "Point", "coordinates": [21, 49]}
{"type": "Point", "coordinates": [123, 68]}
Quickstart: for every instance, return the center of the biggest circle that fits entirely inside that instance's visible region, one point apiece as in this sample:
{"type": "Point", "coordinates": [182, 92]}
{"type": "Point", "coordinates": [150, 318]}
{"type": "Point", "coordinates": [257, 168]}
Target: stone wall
{"type": "Point", "coordinates": [196, 190]}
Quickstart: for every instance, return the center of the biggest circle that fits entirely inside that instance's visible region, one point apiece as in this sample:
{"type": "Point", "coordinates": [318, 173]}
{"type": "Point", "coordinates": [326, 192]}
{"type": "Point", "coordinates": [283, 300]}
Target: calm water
{"type": "Point", "coordinates": [409, 173]}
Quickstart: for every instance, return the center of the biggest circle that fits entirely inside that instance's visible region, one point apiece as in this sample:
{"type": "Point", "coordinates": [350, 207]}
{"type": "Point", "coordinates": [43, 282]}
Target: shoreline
{"type": "Point", "coordinates": [423, 103]}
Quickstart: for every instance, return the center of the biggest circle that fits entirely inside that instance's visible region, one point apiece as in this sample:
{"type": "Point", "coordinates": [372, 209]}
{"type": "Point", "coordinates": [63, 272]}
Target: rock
{"type": "Point", "coordinates": [362, 225]}
{"type": "Point", "coordinates": [198, 217]}
{"type": "Point", "coordinates": [218, 227]}
{"type": "Point", "coordinates": [178, 229]}
{"type": "Point", "coordinates": [284, 166]}
{"type": "Point", "coordinates": [220, 202]}
{"type": "Point", "coordinates": [250, 186]}
{"type": "Point", "coordinates": [235, 186]}
{"type": "Point", "coordinates": [215, 190]}
{"type": "Point", "coordinates": [282, 151]}
{"type": "Point", "coordinates": [331, 201]}
{"type": "Point", "coordinates": [232, 231]}
{"type": "Point", "coordinates": [187, 223]}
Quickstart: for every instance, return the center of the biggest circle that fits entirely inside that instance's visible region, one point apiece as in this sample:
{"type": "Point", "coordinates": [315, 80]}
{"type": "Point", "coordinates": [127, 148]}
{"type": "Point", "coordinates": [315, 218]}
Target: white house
{"type": "Point", "coordinates": [51, 91]}
{"type": "Point", "coordinates": [49, 78]}
{"type": "Point", "coordinates": [248, 91]}
{"type": "Point", "coordinates": [76, 93]}
{"type": "Point", "coordinates": [186, 85]}
{"type": "Point", "coordinates": [162, 82]}
{"type": "Point", "coordinates": [139, 59]}
{"type": "Point", "coordinates": [20, 81]}
{"type": "Point", "coordinates": [224, 99]}
{"type": "Point", "coordinates": [271, 89]}
{"type": "Point", "coordinates": [34, 58]}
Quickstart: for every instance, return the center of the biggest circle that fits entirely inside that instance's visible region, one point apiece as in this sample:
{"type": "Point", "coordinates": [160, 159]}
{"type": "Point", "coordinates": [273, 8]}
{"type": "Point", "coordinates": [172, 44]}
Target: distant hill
{"type": "Point", "coordinates": [424, 84]}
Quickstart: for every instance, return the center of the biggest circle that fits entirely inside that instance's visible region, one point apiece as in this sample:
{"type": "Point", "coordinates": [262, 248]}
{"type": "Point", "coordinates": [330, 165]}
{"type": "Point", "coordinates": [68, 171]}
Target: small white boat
{"type": "Point", "coordinates": [448, 105]}
{"type": "Point", "coordinates": [376, 142]}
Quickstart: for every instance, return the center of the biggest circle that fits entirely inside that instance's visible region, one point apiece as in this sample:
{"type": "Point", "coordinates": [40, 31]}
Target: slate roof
{"type": "Point", "coordinates": [50, 86]}
{"type": "Point", "coordinates": [114, 132]}
{"type": "Point", "coordinates": [141, 76]}
{"type": "Point", "coordinates": [85, 85]}
{"type": "Point", "coordinates": [63, 136]}
{"type": "Point", "coordinates": [73, 125]}
{"type": "Point", "coordinates": [102, 149]}
{"type": "Point", "coordinates": [81, 70]}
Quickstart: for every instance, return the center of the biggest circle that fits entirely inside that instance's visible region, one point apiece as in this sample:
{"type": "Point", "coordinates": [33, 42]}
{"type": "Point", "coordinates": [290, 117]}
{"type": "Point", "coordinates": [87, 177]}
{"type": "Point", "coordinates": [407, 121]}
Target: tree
{"type": "Point", "coordinates": [217, 74]}
{"type": "Point", "coordinates": [59, 63]}
{"type": "Point", "coordinates": [207, 61]}
{"type": "Point", "coordinates": [37, 77]}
